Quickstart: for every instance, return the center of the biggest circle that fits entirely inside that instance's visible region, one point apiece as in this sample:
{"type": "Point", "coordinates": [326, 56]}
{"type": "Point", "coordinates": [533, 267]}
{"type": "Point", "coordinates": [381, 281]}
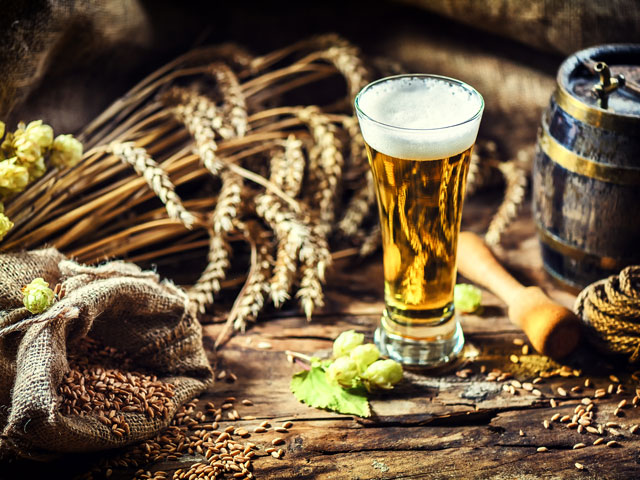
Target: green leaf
{"type": "Point", "coordinates": [311, 387]}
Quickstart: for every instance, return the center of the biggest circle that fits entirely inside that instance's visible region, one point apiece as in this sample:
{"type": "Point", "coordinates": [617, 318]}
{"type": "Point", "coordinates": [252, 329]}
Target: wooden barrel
{"type": "Point", "coordinates": [586, 174]}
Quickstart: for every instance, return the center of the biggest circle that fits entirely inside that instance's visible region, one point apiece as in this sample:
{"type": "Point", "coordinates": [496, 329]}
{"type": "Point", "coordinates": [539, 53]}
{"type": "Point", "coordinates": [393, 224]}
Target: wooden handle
{"type": "Point", "coordinates": [552, 329]}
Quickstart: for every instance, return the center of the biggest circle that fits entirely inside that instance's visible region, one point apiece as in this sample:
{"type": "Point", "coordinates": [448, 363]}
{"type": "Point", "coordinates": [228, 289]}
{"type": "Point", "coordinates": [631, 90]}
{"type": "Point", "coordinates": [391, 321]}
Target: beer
{"type": "Point", "coordinates": [420, 205]}
{"type": "Point", "coordinates": [419, 131]}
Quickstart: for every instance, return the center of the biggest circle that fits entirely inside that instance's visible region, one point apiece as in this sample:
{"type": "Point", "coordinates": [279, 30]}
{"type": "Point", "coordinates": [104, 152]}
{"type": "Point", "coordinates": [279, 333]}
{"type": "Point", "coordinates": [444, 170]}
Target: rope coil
{"type": "Point", "coordinates": [610, 309]}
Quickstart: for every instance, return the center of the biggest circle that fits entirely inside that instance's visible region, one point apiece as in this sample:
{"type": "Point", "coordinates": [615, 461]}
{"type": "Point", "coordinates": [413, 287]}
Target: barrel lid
{"type": "Point", "coordinates": [601, 86]}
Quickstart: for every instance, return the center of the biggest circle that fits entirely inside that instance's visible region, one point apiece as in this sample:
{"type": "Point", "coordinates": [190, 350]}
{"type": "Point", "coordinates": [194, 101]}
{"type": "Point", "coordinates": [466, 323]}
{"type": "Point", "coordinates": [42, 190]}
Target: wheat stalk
{"type": "Point", "coordinates": [156, 178]}
{"type": "Point", "coordinates": [372, 241]}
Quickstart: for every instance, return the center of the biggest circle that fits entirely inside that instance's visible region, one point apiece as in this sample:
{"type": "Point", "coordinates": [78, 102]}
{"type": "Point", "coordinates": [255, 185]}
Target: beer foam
{"type": "Point", "coordinates": [419, 118]}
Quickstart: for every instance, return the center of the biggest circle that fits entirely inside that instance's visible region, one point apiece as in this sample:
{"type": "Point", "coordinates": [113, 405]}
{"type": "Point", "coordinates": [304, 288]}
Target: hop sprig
{"type": "Point", "coordinates": [38, 297]}
{"type": "Point", "coordinates": [467, 298]}
{"type": "Point", "coordinates": [346, 342]}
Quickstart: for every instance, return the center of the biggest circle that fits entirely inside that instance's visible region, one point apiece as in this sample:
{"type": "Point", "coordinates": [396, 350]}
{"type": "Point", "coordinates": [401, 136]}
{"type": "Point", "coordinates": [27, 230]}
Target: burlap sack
{"type": "Point", "coordinates": [119, 306]}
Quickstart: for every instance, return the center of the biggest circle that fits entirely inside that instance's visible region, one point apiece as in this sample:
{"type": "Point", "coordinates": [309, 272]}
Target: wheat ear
{"type": "Point", "coordinates": [326, 152]}
{"type": "Point", "coordinates": [203, 291]}
{"type": "Point", "coordinates": [202, 119]}
{"type": "Point", "coordinates": [515, 179]}
{"type": "Point", "coordinates": [347, 60]}
{"type": "Point", "coordinates": [229, 200]}
{"type": "Point", "coordinates": [315, 258]}
{"type": "Point", "coordinates": [156, 178]}
{"type": "Point", "coordinates": [372, 241]}
{"type": "Point", "coordinates": [287, 167]}
{"type": "Point", "coordinates": [234, 106]}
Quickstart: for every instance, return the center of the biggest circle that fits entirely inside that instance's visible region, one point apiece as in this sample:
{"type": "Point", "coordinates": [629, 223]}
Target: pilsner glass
{"type": "Point", "coordinates": [419, 131]}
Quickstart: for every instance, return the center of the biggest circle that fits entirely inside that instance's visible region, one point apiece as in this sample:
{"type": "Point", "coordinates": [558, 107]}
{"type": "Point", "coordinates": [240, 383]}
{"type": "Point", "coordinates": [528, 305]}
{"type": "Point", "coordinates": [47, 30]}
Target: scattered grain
{"type": "Point", "coordinates": [562, 392]}
{"type": "Point", "coordinates": [277, 441]}
{"type": "Point", "coordinates": [634, 428]}
{"type": "Point", "coordinates": [579, 466]}
{"type": "Point", "coordinates": [542, 449]}
{"type": "Point", "coordinates": [614, 379]}
{"type": "Point", "coordinates": [525, 349]}
{"type": "Point", "coordinates": [518, 341]}
{"type": "Point", "coordinates": [593, 430]}
{"type": "Point", "coordinates": [516, 383]}
{"type": "Point", "coordinates": [579, 445]}
{"type": "Point", "coordinates": [555, 417]}
{"type": "Point", "coordinates": [598, 441]}
{"type": "Point", "coordinates": [545, 423]}
{"type": "Point", "coordinates": [553, 403]}
{"type": "Point", "coordinates": [287, 425]}
{"type": "Point", "coordinates": [613, 444]}
{"type": "Point", "coordinates": [622, 404]}
{"type": "Point", "coordinates": [514, 358]}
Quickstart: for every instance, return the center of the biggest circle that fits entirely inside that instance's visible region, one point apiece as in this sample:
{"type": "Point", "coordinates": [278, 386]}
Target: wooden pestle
{"type": "Point", "coordinates": [553, 330]}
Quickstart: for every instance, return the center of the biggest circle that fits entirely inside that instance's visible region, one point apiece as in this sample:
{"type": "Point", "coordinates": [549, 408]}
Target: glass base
{"type": "Point", "coordinates": [432, 353]}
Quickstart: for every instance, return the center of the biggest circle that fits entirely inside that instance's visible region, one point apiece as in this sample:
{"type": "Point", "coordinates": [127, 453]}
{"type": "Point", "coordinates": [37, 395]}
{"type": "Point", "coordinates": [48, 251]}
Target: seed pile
{"type": "Point", "coordinates": [217, 450]}
{"type": "Point", "coordinates": [100, 382]}
{"type": "Point", "coordinates": [578, 403]}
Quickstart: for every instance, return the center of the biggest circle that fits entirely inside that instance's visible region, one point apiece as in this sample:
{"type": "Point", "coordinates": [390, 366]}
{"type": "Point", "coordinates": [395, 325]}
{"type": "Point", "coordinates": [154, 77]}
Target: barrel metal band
{"type": "Point", "coordinates": [561, 155]}
{"type": "Point", "coordinates": [596, 116]}
{"type": "Point", "coordinates": [562, 247]}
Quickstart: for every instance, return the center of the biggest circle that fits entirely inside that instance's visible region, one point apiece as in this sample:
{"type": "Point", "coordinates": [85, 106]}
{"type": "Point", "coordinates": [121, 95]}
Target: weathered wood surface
{"type": "Point", "coordinates": [434, 425]}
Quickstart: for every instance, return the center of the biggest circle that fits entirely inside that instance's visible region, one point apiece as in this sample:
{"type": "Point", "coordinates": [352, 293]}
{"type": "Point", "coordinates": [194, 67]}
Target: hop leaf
{"type": "Point", "coordinates": [342, 371]}
{"type": "Point", "coordinates": [13, 176]}
{"type": "Point", "coordinates": [38, 297]}
{"type": "Point", "coordinates": [5, 224]}
{"type": "Point", "coordinates": [311, 387]}
{"type": "Point", "coordinates": [383, 374]}
{"type": "Point", "coordinates": [346, 342]}
{"type": "Point", "coordinates": [467, 298]}
{"type": "Point", "coordinates": [364, 355]}
{"type": "Point", "coordinates": [66, 151]}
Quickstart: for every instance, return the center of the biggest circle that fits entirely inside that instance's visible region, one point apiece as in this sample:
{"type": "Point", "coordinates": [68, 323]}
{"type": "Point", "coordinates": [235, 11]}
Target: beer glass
{"type": "Point", "coordinates": [419, 131]}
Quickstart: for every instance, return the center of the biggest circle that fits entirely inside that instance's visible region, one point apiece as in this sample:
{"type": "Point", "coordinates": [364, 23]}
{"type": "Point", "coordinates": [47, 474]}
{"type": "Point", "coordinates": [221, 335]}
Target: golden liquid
{"type": "Point", "coordinates": [420, 204]}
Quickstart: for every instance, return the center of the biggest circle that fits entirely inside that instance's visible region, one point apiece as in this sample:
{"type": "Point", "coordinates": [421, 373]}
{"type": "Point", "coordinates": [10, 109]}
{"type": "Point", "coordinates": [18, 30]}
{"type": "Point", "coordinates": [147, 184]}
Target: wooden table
{"type": "Point", "coordinates": [434, 424]}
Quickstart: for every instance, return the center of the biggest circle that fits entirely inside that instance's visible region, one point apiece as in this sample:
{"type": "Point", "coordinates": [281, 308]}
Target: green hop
{"type": "Point", "coordinates": [38, 297]}
{"type": "Point", "coordinates": [342, 371]}
{"type": "Point", "coordinates": [467, 298]}
{"type": "Point", "coordinates": [346, 342]}
{"type": "Point", "coordinates": [364, 355]}
{"type": "Point", "coordinates": [66, 151]}
{"type": "Point", "coordinates": [382, 374]}
{"type": "Point", "coordinates": [13, 176]}
{"type": "Point", "coordinates": [37, 169]}
{"type": "Point", "coordinates": [2, 126]}
{"type": "Point", "coordinates": [5, 224]}
{"type": "Point", "coordinates": [39, 133]}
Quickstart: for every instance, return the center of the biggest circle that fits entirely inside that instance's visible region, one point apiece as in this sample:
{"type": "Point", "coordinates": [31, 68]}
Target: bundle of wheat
{"type": "Point", "coordinates": [225, 142]}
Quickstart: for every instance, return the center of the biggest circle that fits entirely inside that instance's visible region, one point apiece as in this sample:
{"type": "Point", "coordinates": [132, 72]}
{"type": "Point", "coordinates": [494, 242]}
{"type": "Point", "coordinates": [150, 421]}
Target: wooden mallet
{"type": "Point", "coordinates": [552, 329]}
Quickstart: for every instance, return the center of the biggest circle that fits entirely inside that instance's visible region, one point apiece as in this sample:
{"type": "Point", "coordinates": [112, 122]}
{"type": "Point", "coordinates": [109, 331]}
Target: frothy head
{"type": "Point", "coordinates": [419, 117]}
